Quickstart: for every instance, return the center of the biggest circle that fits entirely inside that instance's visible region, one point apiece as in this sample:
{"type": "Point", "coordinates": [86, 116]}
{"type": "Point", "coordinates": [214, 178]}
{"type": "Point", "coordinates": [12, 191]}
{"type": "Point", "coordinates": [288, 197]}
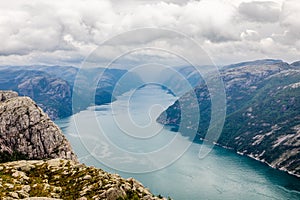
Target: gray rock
{"type": "Point", "coordinates": [26, 131]}
{"type": "Point", "coordinates": [107, 186]}
{"type": "Point", "coordinates": [114, 193]}
{"type": "Point", "coordinates": [87, 177]}
{"type": "Point", "coordinates": [4, 95]}
{"type": "Point", "coordinates": [14, 195]}
{"type": "Point", "coordinates": [26, 188]}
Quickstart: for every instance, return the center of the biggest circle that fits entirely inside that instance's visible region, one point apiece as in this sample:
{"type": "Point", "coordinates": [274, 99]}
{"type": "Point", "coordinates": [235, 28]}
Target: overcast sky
{"type": "Point", "coordinates": [64, 32]}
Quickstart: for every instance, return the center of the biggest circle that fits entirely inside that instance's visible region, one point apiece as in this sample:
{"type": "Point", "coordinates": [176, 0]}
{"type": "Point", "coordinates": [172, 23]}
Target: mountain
{"type": "Point", "coordinates": [254, 63]}
{"type": "Point", "coordinates": [52, 87]}
{"type": "Point", "coordinates": [53, 95]}
{"type": "Point", "coordinates": [26, 132]}
{"type": "Point", "coordinates": [262, 114]}
{"type": "Point", "coordinates": [296, 64]}
{"type": "Point", "coordinates": [180, 79]}
{"type": "Point", "coordinates": [97, 86]}
{"type": "Point", "coordinates": [67, 73]}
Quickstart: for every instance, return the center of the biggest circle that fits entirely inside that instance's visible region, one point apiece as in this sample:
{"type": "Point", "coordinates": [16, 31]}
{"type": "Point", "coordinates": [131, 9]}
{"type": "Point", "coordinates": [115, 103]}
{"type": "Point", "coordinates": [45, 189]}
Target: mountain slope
{"type": "Point", "coordinates": [52, 87]}
{"type": "Point", "coordinates": [53, 95]}
{"type": "Point", "coordinates": [263, 112]}
{"type": "Point", "coordinates": [268, 127]}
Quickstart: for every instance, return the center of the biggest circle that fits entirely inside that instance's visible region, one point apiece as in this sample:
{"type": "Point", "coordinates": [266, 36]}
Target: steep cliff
{"type": "Point", "coordinates": [26, 132]}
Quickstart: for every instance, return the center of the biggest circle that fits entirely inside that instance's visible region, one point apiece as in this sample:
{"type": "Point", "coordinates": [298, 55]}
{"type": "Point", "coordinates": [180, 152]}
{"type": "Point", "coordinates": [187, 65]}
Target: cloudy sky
{"type": "Point", "coordinates": [65, 32]}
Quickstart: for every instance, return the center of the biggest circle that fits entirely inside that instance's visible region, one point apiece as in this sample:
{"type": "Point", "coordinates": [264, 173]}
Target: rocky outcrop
{"type": "Point", "coordinates": [62, 179]}
{"type": "Point", "coordinates": [4, 95]}
{"type": "Point", "coordinates": [26, 132]}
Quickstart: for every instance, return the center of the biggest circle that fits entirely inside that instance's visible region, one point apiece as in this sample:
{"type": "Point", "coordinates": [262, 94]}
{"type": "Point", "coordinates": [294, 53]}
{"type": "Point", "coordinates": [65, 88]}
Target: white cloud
{"type": "Point", "coordinates": [250, 35]}
{"type": "Point", "coordinates": [289, 18]}
{"type": "Point", "coordinates": [261, 11]}
{"type": "Point", "coordinates": [65, 31]}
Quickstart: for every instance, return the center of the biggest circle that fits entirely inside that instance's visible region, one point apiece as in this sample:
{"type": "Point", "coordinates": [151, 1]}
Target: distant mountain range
{"type": "Point", "coordinates": [263, 112]}
{"type": "Point", "coordinates": [52, 86]}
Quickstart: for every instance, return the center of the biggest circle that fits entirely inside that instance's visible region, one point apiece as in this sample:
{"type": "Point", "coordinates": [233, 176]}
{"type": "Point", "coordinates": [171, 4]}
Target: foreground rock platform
{"type": "Point", "coordinates": [65, 179]}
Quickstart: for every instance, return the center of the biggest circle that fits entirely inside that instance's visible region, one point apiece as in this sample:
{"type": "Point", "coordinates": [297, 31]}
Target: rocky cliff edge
{"type": "Point", "coordinates": [26, 132]}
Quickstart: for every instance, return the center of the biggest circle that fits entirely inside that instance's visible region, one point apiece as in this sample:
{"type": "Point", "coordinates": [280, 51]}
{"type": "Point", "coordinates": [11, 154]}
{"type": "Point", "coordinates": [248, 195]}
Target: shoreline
{"type": "Point", "coordinates": [254, 158]}
{"type": "Point", "coordinates": [200, 139]}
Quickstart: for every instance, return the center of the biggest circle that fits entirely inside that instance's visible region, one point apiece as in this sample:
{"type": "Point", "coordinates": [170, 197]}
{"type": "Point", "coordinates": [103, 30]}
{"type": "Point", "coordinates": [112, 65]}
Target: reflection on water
{"type": "Point", "coordinates": [221, 175]}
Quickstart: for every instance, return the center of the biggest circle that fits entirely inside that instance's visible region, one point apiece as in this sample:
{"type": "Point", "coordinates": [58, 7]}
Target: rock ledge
{"type": "Point", "coordinates": [65, 179]}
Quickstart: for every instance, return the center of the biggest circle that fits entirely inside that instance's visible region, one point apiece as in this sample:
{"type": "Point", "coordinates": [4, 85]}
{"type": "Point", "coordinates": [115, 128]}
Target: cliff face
{"type": "Point", "coordinates": [62, 179]}
{"type": "Point", "coordinates": [27, 132]}
{"type": "Point", "coordinates": [263, 118]}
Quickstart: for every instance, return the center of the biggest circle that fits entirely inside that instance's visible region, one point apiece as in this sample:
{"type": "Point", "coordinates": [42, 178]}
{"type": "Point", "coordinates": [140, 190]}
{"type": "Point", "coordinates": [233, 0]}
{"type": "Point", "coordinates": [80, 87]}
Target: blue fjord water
{"type": "Point", "coordinates": [103, 136]}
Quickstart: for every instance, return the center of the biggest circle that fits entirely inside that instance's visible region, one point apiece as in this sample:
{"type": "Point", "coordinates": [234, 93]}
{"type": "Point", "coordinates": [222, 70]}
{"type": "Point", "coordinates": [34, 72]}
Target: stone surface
{"type": "Point", "coordinates": [47, 181]}
{"type": "Point", "coordinates": [26, 132]}
{"type": "Point", "coordinates": [4, 95]}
